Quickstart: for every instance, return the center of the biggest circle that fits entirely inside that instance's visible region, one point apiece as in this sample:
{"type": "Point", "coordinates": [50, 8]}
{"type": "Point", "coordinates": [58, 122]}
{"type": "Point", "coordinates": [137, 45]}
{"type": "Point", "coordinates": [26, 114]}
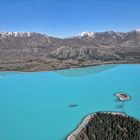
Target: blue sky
{"type": "Point", "coordinates": [63, 18]}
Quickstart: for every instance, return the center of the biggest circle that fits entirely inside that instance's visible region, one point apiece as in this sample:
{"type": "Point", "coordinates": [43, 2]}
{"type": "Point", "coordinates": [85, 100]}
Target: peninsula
{"type": "Point", "coordinates": [107, 125]}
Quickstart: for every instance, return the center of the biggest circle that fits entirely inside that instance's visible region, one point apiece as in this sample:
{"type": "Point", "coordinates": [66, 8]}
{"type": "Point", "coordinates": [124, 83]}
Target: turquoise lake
{"type": "Point", "coordinates": [36, 106]}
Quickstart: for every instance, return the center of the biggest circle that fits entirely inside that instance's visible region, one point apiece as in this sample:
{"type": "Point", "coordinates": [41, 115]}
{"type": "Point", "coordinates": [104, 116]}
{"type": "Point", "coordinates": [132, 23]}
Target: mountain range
{"type": "Point", "coordinates": [39, 52]}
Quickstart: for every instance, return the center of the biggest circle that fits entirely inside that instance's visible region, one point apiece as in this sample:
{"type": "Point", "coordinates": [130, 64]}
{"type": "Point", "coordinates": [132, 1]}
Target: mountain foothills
{"type": "Point", "coordinates": [39, 52]}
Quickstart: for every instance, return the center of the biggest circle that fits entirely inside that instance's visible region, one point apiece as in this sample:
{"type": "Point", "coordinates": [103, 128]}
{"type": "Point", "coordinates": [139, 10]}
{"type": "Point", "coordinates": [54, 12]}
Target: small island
{"type": "Point", "coordinates": [107, 126]}
{"type": "Point", "coordinates": [122, 96]}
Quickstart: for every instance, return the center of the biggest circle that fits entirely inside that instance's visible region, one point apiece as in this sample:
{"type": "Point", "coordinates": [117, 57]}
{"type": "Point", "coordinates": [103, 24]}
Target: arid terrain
{"type": "Point", "coordinates": [39, 52]}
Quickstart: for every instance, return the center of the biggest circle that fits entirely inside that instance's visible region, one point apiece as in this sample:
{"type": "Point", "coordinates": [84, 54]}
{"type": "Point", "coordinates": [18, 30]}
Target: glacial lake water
{"type": "Point", "coordinates": [36, 106]}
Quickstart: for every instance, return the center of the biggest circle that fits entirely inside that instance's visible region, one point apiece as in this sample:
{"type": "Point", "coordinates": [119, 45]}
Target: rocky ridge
{"type": "Point", "coordinates": [39, 52]}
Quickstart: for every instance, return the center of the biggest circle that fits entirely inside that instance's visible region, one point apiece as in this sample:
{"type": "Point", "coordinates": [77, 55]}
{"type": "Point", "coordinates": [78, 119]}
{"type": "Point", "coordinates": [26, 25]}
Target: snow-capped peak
{"type": "Point", "coordinates": [15, 34]}
{"type": "Point", "coordinates": [137, 31]}
{"type": "Point", "coordinates": [87, 34]}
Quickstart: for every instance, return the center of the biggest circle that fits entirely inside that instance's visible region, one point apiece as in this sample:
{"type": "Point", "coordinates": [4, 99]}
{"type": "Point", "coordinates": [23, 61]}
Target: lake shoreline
{"type": "Point", "coordinates": [106, 125]}
{"type": "Point", "coordinates": [86, 120]}
{"type": "Point", "coordinates": [66, 68]}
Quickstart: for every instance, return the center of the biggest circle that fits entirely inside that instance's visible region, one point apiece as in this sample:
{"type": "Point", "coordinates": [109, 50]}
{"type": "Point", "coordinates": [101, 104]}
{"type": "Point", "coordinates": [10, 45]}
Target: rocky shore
{"type": "Point", "coordinates": [52, 65]}
{"type": "Point", "coordinates": [107, 125]}
{"type": "Point", "coordinates": [122, 96]}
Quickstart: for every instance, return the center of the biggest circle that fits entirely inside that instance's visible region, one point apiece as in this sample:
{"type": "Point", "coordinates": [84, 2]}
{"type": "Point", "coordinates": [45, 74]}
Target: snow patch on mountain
{"type": "Point", "coordinates": [87, 34]}
{"type": "Point", "coordinates": [14, 34]}
{"type": "Point", "coordinates": [137, 31]}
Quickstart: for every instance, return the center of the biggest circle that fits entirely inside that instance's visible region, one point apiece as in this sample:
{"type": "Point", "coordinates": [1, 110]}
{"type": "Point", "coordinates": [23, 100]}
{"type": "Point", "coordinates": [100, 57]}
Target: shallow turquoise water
{"type": "Point", "coordinates": [35, 106]}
